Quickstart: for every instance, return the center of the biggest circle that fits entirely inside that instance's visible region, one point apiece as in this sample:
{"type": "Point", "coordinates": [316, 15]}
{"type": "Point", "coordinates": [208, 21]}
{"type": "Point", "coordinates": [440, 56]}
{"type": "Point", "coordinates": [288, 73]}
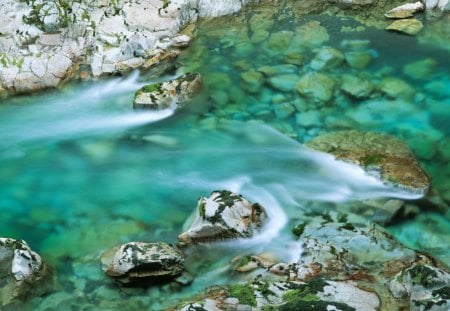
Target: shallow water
{"type": "Point", "coordinates": [81, 172]}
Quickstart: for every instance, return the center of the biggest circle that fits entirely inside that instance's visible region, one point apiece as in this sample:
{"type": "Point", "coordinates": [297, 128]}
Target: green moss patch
{"type": "Point", "coordinates": [243, 292]}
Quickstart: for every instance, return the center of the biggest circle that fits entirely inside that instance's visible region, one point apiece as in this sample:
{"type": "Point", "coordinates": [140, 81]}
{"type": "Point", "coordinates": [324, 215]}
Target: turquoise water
{"type": "Point", "coordinates": [81, 172]}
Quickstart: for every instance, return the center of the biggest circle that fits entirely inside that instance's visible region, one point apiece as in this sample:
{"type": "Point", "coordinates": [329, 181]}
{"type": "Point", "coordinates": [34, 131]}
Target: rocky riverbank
{"type": "Point", "coordinates": [44, 44]}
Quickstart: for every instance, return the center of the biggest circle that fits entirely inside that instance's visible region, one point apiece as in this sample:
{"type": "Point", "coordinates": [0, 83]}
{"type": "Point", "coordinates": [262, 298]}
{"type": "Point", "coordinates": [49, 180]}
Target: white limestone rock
{"type": "Point", "coordinates": [405, 11]}
{"type": "Point", "coordinates": [170, 94]}
{"type": "Point", "coordinates": [139, 263]}
{"type": "Point", "coordinates": [224, 215]}
{"type": "Point", "coordinates": [22, 271]}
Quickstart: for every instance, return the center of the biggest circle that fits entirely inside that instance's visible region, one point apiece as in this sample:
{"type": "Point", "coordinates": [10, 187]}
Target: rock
{"type": "Point", "coordinates": [22, 271]}
{"type": "Point", "coordinates": [405, 11]}
{"type": "Point", "coordinates": [396, 88]}
{"type": "Point", "coordinates": [359, 59]}
{"type": "Point", "coordinates": [383, 155]}
{"type": "Point", "coordinates": [311, 35]}
{"type": "Point", "coordinates": [278, 70]}
{"type": "Point", "coordinates": [410, 26]}
{"type": "Point", "coordinates": [283, 110]}
{"type": "Point", "coordinates": [421, 69]}
{"type": "Point", "coordinates": [285, 83]}
{"type": "Point", "coordinates": [426, 287]}
{"type": "Point", "coordinates": [357, 87]}
{"type": "Point", "coordinates": [440, 5]}
{"type": "Point", "coordinates": [141, 263]}
{"type": "Point", "coordinates": [440, 89]}
{"type": "Point", "coordinates": [224, 215]}
{"type": "Point", "coordinates": [316, 86]}
{"type": "Point", "coordinates": [327, 58]}
{"type": "Point", "coordinates": [317, 294]}
{"type": "Point", "coordinates": [252, 81]}
{"type": "Point", "coordinates": [279, 42]}
{"type": "Point", "coordinates": [174, 93]}
{"type": "Point", "coordinates": [308, 118]}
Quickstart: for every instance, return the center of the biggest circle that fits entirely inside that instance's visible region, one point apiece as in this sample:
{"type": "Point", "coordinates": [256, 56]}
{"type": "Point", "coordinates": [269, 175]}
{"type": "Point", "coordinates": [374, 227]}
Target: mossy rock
{"type": "Point", "coordinates": [387, 155]}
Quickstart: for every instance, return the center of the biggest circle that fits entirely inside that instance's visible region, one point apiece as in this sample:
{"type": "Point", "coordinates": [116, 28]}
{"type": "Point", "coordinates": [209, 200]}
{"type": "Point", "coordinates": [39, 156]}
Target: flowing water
{"type": "Point", "coordinates": [81, 172]}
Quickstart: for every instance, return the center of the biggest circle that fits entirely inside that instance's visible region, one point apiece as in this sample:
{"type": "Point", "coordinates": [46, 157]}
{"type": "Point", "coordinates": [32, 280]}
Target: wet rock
{"type": "Point", "coordinates": [440, 5]}
{"type": "Point", "coordinates": [327, 58]}
{"type": "Point", "coordinates": [224, 215]}
{"type": "Point", "coordinates": [359, 59]}
{"type": "Point", "coordinates": [396, 88]}
{"type": "Point", "coordinates": [252, 81]}
{"type": "Point", "coordinates": [405, 11]}
{"type": "Point", "coordinates": [308, 118]}
{"type": "Point", "coordinates": [316, 86]}
{"type": "Point", "coordinates": [285, 83]}
{"type": "Point", "coordinates": [356, 86]}
{"type": "Point", "coordinates": [250, 263]}
{"type": "Point", "coordinates": [426, 287]}
{"type": "Point", "coordinates": [311, 35]}
{"type": "Point", "coordinates": [280, 41]}
{"type": "Point", "coordinates": [278, 70]}
{"type": "Point", "coordinates": [141, 263]}
{"type": "Point", "coordinates": [410, 26]}
{"type": "Point", "coordinates": [421, 69]}
{"type": "Point", "coordinates": [171, 94]}
{"type": "Point", "coordinates": [383, 155]}
{"type": "Point", "coordinates": [22, 272]}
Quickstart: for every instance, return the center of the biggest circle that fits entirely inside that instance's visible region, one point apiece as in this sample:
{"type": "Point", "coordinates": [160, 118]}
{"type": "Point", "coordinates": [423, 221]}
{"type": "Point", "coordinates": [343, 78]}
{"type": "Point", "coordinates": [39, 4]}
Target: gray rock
{"type": "Point", "coordinates": [171, 94]}
{"type": "Point", "coordinates": [141, 263]}
{"type": "Point", "coordinates": [22, 271]}
{"type": "Point", "coordinates": [224, 215]}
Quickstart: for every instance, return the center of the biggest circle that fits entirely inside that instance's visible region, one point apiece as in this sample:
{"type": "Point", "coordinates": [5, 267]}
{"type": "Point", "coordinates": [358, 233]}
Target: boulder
{"type": "Point", "coordinates": [224, 215]}
{"type": "Point", "coordinates": [409, 26]}
{"type": "Point", "coordinates": [170, 94]}
{"type": "Point", "coordinates": [425, 286]}
{"type": "Point", "coordinates": [405, 11]}
{"type": "Point", "coordinates": [22, 272]}
{"type": "Point", "coordinates": [382, 155]}
{"type": "Point", "coordinates": [420, 69]}
{"type": "Point", "coordinates": [141, 263]}
{"type": "Point", "coordinates": [359, 59]}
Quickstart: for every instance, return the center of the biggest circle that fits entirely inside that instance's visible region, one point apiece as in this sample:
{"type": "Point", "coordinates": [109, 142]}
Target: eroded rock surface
{"type": "Point", "coordinates": [170, 94]}
{"type": "Point", "coordinates": [381, 154]}
{"type": "Point", "coordinates": [22, 272]}
{"type": "Point", "coordinates": [224, 215]}
{"type": "Point", "coordinates": [141, 263]}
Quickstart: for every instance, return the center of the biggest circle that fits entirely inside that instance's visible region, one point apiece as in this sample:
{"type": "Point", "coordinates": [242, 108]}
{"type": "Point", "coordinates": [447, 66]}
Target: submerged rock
{"type": "Point", "coordinates": [22, 272]}
{"type": "Point", "coordinates": [141, 263]}
{"type": "Point", "coordinates": [224, 215]}
{"type": "Point", "coordinates": [356, 86]}
{"type": "Point", "coordinates": [421, 69]}
{"type": "Point", "coordinates": [170, 94]}
{"type": "Point", "coordinates": [405, 10]}
{"type": "Point", "coordinates": [380, 154]}
{"type": "Point", "coordinates": [396, 88]}
{"type": "Point", "coordinates": [317, 86]}
{"type": "Point", "coordinates": [359, 59]}
{"type": "Point", "coordinates": [410, 26]}
{"type": "Point", "coordinates": [327, 58]}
